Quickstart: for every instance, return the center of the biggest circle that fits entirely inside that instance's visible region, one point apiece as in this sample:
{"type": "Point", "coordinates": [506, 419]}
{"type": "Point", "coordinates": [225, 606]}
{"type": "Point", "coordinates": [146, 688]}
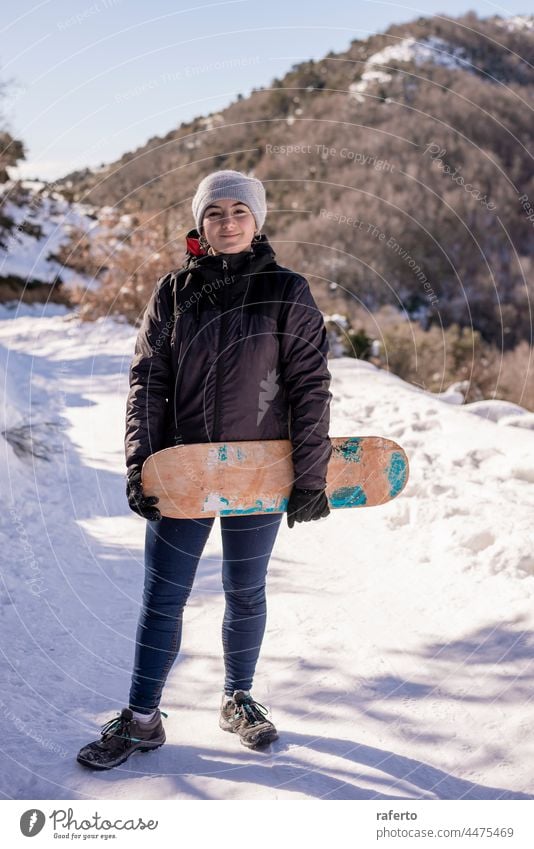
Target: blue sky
{"type": "Point", "coordinates": [88, 80]}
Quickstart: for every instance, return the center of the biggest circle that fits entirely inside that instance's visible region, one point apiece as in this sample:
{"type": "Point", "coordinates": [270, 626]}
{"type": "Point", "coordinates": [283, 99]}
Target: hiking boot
{"type": "Point", "coordinates": [121, 737]}
{"type": "Point", "coordinates": [240, 714]}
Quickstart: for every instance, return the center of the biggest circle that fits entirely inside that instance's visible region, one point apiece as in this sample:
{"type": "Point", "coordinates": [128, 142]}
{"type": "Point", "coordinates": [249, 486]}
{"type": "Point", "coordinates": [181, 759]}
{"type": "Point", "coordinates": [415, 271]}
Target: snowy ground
{"type": "Point", "coordinates": [398, 658]}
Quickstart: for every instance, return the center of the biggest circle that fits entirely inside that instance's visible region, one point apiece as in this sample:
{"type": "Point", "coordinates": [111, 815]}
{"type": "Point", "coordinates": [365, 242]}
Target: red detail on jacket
{"type": "Point", "coordinates": [193, 245]}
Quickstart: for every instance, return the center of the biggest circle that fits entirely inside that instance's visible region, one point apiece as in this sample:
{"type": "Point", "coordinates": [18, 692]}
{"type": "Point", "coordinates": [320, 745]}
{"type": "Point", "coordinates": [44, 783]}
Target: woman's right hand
{"type": "Point", "coordinates": [305, 505]}
{"type": "Point", "coordinates": [141, 504]}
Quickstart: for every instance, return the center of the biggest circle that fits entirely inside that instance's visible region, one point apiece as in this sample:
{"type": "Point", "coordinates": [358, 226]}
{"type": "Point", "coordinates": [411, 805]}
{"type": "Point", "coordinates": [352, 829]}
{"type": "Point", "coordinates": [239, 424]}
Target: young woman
{"type": "Point", "coordinates": [232, 347]}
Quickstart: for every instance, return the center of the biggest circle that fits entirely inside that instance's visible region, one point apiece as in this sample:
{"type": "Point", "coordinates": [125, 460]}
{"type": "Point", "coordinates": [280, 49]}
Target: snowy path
{"type": "Point", "coordinates": [398, 658]}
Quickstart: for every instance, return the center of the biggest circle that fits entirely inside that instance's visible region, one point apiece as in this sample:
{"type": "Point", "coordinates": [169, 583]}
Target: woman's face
{"type": "Point", "coordinates": [228, 226]}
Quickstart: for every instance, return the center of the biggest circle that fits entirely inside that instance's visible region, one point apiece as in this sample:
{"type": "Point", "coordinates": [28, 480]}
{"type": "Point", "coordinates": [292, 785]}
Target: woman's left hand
{"type": "Point", "coordinates": [304, 505]}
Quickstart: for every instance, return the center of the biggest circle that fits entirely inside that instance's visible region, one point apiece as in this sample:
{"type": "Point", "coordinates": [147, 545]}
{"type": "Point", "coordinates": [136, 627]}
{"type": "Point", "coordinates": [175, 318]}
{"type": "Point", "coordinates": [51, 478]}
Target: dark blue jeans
{"type": "Point", "coordinates": [173, 548]}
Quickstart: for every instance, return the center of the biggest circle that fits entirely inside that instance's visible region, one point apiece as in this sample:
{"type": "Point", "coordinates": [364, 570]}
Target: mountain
{"type": "Point", "coordinates": [397, 172]}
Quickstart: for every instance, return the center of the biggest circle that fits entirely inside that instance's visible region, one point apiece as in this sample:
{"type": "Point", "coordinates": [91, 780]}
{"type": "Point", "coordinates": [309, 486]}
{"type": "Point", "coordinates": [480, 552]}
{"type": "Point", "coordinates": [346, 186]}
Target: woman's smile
{"type": "Point", "coordinates": [227, 213]}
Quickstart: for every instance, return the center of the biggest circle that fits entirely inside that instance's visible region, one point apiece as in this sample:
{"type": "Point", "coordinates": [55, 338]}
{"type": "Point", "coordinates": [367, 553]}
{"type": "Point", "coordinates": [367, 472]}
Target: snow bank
{"type": "Point", "coordinates": [495, 410]}
{"type": "Point", "coordinates": [397, 660]}
{"type": "Point", "coordinates": [48, 221]}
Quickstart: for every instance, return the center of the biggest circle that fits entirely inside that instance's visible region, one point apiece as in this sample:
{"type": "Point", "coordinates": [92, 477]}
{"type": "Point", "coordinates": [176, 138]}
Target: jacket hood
{"type": "Point", "coordinates": [238, 268]}
{"type": "Point", "coordinates": [196, 256]}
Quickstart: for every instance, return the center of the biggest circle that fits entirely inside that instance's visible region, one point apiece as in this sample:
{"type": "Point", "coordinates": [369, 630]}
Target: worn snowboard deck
{"type": "Point", "coordinates": [238, 478]}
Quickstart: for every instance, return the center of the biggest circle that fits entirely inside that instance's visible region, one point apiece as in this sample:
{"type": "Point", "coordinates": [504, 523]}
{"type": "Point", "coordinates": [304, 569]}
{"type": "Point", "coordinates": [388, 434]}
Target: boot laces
{"type": "Point", "coordinates": [118, 727]}
{"type": "Point", "coordinates": [253, 711]}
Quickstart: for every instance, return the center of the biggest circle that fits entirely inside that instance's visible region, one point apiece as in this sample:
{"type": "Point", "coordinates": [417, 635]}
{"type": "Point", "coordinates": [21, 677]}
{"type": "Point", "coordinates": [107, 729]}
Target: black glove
{"type": "Point", "coordinates": [139, 503]}
{"type": "Point", "coordinates": [306, 504]}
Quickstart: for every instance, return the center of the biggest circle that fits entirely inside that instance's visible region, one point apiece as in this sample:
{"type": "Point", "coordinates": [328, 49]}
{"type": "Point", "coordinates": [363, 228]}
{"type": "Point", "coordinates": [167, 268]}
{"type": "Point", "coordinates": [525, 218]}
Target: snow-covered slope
{"type": "Point", "coordinates": [43, 221]}
{"type": "Point", "coordinates": [398, 657]}
{"type": "Point", "coordinates": [410, 51]}
{"type": "Point", "coordinates": [516, 23]}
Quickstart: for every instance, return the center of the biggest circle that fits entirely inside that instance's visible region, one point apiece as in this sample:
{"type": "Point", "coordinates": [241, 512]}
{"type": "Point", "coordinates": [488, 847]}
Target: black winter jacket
{"type": "Point", "coordinates": [231, 347]}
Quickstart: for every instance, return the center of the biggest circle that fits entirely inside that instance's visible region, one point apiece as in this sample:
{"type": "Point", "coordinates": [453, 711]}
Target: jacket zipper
{"type": "Point", "coordinates": [179, 379]}
{"type": "Point", "coordinates": [216, 436]}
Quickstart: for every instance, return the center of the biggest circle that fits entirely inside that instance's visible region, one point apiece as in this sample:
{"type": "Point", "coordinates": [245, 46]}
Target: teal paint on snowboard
{"type": "Point", "coordinates": [350, 449]}
{"type": "Point", "coordinates": [222, 452]}
{"type": "Point", "coordinates": [260, 508]}
{"type": "Point", "coordinates": [397, 472]}
{"type": "Point", "coordinates": [347, 496]}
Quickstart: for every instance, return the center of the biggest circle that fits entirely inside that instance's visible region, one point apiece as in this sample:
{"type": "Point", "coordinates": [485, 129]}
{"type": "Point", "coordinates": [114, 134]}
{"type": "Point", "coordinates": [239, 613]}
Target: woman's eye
{"type": "Point", "coordinates": [216, 214]}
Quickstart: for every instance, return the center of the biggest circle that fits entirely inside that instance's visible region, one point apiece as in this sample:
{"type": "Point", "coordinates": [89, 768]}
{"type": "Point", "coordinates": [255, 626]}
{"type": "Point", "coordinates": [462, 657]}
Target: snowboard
{"type": "Point", "coordinates": [237, 478]}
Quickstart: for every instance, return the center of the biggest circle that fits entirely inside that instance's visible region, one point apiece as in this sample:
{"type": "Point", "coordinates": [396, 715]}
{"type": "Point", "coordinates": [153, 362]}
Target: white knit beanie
{"type": "Point", "coordinates": [233, 185]}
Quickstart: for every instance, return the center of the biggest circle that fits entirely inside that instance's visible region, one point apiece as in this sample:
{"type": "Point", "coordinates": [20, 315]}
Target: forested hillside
{"type": "Point", "coordinates": [400, 172]}
{"type": "Point", "coordinates": [400, 181]}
